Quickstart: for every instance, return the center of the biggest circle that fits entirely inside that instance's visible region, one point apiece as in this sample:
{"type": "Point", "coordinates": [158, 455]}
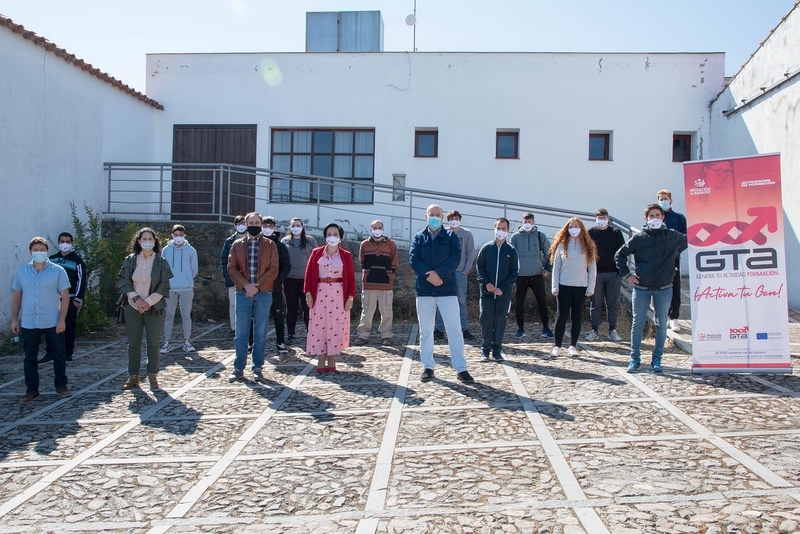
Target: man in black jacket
{"type": "Point", "coordinates": [498, 267]}
{"type": "Point", "coordinates": [654, 250]}
{"type": "Point", "coordinates": [284, 266]}
{"type": "Point", "coordinates": [606, 288]}
{"type": "Point", "coordinates": [241, 231]}
{"type": "Point", "coordinates": [72, 262]}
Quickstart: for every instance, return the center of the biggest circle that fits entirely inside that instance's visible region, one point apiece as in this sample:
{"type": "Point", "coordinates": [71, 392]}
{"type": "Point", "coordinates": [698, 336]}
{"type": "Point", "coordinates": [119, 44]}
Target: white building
{"type": "Point", "coordinates": [576, 131]}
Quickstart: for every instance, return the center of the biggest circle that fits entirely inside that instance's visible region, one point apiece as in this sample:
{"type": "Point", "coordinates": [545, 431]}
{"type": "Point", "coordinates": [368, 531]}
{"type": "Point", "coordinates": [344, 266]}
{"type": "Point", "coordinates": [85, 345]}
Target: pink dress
{"type": "Point", "coordinates": [329, 326]}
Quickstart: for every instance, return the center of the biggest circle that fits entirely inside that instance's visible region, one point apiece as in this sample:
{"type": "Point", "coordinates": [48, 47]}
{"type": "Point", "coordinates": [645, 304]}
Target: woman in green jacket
{"type": "Point", "coordinates": [144, 280]}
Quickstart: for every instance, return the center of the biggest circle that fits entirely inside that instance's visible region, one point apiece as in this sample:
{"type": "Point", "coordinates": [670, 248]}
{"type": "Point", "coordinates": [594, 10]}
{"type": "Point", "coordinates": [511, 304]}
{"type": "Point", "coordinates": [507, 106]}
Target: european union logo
{"type": "Point", "coordinates": [762, 335]}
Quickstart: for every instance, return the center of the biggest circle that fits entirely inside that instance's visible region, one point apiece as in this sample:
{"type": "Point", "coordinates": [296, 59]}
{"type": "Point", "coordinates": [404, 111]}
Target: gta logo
{"type": "Point", "coordinates": [739, 333]}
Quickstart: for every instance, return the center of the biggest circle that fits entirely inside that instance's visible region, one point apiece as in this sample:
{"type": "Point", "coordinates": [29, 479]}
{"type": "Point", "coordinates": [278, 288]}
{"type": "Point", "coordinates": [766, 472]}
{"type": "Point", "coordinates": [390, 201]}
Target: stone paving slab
{"type": "Point", "coordinates": [566, 445]}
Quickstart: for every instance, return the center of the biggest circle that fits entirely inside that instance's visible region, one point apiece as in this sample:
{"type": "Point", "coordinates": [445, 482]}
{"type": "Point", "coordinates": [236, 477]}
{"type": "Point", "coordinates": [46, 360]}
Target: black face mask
{"type": "Point", "coordinates": [254, 230]}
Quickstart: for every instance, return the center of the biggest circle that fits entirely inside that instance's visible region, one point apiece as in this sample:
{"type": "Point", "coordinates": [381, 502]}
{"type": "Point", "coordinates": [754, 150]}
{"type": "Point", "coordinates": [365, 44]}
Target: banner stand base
{"type": "Point", "coordinates": [750, 371]}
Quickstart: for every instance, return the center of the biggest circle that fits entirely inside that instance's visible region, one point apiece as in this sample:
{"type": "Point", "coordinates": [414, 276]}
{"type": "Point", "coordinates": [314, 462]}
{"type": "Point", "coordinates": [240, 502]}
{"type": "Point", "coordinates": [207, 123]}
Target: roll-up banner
{"type": "Point", "coordinates": [740, 316]}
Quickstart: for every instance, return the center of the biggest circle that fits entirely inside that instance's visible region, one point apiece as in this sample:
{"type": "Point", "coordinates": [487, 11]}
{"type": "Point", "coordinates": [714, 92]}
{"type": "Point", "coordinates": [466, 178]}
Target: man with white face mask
{"type": "Point", "coordinates": [655, 250]}
{"type": "Point", "coordinates": [182, 259]}
{"type": "Point", "coordinates": [39, 308]}
{"type": "Point", "coordinates": [608, 281]}
{"type": "Point", "coordinates": [240, 232]}
{"type": "Point", "coordinates": [378, 255]}
{"type": "Point", "coordinates": [72, 262]}
{"type": "Point", "coordinates": [498, 266]}
{"type": "Point", "coordinates": [674, 221]}
{"type": "Point", "coordinates": [533, 249]}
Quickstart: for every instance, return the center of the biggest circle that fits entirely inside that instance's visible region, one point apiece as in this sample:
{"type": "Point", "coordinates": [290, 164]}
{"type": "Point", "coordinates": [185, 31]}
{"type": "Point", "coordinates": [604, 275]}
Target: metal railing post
{"type": "Point", "coordinates": [108, 207]}
{"type": "Point", "coordinates": [161, 190]}
{"type": "Point", "coordinates": [319, 195]}
{"type": "Point", "coordinates": [410, 215]}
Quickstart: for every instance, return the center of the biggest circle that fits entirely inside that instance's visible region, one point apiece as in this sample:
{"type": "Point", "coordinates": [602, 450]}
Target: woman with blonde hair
{"type": "Point", "coordinates": [573, 255]}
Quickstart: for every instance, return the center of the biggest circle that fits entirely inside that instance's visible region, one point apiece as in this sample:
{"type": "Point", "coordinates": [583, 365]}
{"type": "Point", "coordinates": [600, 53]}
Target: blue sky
{"type": "Point", "coordinates": [115, 35]}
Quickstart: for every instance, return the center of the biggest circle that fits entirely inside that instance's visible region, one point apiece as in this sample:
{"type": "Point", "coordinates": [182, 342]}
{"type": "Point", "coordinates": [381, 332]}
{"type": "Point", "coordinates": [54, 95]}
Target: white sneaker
{"type": "Point", "coordinates": [166, 347]}
{"type": "Point", "coordinates": [188, 347]}
{"type": "Point", "coordinates": [674, 326]}
{"type": "Point", "coordinates": [613, 336]}
{"type": "Point", "coordinates": [573, 351]}
{"type": "Point", "coordinates": [592, 335]}
{"type": "Point", "coordinates": [556, 352]}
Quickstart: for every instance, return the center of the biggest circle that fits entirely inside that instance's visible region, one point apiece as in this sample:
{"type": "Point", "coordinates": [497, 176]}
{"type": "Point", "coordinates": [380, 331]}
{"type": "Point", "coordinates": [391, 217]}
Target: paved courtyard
{"type": "Point", "coordinates": [536, 445]}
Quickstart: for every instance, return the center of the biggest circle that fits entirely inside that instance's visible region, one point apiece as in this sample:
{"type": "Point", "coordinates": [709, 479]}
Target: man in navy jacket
{"type": "Point", "coordinates": [434, 256]}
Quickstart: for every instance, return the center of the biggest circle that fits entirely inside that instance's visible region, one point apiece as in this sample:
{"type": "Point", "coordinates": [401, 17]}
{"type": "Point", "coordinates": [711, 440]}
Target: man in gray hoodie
{"type": "Point", "coordinates": [182, 259]}
{"type": "Point", "coordinates": [533, 249]}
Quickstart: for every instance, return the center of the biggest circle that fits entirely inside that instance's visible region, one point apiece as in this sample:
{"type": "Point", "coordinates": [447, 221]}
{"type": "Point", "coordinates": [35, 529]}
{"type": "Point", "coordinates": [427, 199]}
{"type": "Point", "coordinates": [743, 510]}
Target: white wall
{"type": "Point", "coordinates": [767, 124]}
{"type": "Point", "coordinates": [553, 99]}
{"type": "Point", "coordinates": [52, 146]}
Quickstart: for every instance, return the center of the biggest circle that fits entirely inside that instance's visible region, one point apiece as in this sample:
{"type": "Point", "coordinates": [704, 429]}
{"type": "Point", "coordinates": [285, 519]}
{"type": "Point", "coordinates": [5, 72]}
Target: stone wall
{"type": "Point", "coordinates": [211, 295]}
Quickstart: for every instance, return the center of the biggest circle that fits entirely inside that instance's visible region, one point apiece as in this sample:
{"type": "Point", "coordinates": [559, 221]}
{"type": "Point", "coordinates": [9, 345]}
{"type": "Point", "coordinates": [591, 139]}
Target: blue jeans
{"type": "Point", "coordinates": [426, 312]}
{"type": "Point", "coordinates": [257, 309]}
{"type": "Point", "coordinates": [641, 302]}
{"type": "Point", "coordinates": [461, 293]}
{"type": "Point", "coordinates": [31, 337]}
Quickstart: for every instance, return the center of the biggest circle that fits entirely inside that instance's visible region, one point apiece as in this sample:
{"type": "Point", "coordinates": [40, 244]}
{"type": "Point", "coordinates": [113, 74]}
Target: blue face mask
{"type": "Point", "coordinates": [664, 204]}
{"type": "Point", "coordinates": [39, 256]}
{"type": "Point", "coordinates": [435, 223]}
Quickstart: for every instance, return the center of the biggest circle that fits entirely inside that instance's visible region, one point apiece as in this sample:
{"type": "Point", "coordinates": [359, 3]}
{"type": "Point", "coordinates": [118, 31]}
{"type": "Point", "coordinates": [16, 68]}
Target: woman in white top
{"type": "Point", "coordinates": [573, 255]}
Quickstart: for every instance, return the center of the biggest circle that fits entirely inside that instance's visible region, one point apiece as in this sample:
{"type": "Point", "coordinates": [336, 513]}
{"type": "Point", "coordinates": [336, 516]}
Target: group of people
{"type": "Point", "coordinates": [284, 277]}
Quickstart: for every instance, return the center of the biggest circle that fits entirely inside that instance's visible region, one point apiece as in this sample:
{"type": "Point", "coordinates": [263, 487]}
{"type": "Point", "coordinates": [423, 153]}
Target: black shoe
{"type": "Point", "coordinates": [468, 334]}
{"type": "Point", "coordinates": [69, 357]}
{"type": "Point", "coordinates": [236, 375]}
{"type": "Point", "coordinates": [44, 359]}
{"type": "Point", "coordinates": [427, 375]}
{"type": "Point", "coordinates": [497, 355]}
{"type": "Point", "coordinates": [465, 377]}
{"type": "Point", "coordinates": [290, 340]}
{"type": "Point", "coordinates": [282, 348]}
{"type": "Point", "coordinates": [485, 357]}
{"type": "Point", "coordinates": [257, 374]}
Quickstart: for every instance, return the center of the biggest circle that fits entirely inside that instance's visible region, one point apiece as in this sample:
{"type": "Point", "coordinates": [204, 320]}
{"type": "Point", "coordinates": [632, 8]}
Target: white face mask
{"type": "Point", "coordinates": [574, 232]}
{"type": "Point", "coordinates": [178, 239]}
{"type": "Point", "coordinates": [65, 247]}
{"type": "Point", "coordinates": [297, 230]}
{"type": "Point", "coordinates": [241, 228]}
{"type": "Point", "coordinates": [147, 245]}
{"type": "Point", "coordinates": [527, 227]}
{"type": "Point", "coordinates": [655, 223]}
{"type": "Point", "coordinates": [377, 232]}
{"type": "Point", "coordinates": [267, 231]}
{"type": "Point", "coordinates": [454, 224]}
{"type": "Point", "coordinates": [601, 222]}
{"type": "Point", "coordinates": [332, 240]}
{"type": "Point", "coordinates": [500, 234]}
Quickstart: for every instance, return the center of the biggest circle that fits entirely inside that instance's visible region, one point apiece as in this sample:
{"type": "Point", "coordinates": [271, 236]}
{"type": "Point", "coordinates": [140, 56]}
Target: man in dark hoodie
{"type": "Point", "coordinates": [284, 266]}
{"type": "Point", "coordinates": [498, 267]}
{"type": "Point", "coordinates": [72, 262]}
{"type": "Point", "coordinates": [654, 250]}
{"type": "Point", "coordinates": [241, 231]}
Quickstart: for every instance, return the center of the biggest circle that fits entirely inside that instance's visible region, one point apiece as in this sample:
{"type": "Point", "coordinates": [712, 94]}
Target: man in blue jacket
{"type": "Point", "coordinates": [434, 256]}
{"type": "Point", "coordinates": [498, 267]}
{"type": "Point", "coordinates": [655, 250]}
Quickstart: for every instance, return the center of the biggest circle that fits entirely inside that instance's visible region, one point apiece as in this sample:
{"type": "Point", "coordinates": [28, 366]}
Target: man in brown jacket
{"type": "Point", "coordinates": [253, 267]}
{"type": "Point", "coordinates": [378, 256]}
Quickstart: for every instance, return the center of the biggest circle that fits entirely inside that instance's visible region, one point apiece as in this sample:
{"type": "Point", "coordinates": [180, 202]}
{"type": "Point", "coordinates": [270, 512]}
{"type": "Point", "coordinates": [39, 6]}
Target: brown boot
{"type": "Point", "coordinates": [153, 381]}
{"type": "Point", "coordinates": [133, 382]}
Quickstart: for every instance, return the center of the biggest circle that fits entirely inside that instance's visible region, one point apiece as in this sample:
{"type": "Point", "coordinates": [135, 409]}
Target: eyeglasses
{"type": "Point", "coordinates": [720, 172]}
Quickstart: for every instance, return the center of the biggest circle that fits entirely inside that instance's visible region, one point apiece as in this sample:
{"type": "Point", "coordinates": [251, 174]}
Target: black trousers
{"type": "Point", "coordinates": [570, 305]}
{"type": "Point", "coordinates": [278, 315]}
{"type": "Point", "coordinates": [675, 304]}
{"type": "Point", "coordinates": [295, 300]}
{"type": "Point", "coordinates": [536, 283]}
{"type": "Point", "coordinates": [72, 325]}
{"type": "Point", "coordinates": [31, 337]}
{"type": "Point", "coordinates": [493, 317]}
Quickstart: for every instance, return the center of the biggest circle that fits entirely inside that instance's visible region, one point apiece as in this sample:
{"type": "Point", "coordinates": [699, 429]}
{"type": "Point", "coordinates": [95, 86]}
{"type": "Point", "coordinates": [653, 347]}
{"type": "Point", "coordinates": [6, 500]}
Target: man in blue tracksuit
{"type": "Point", "coordinates": [434, 256]}
{"type": "Point", "coordinates": [498, 267]}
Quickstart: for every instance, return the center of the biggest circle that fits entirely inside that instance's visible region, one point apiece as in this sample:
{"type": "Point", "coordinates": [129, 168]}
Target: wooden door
{"type": "Point", "coordinates": [204, 194]}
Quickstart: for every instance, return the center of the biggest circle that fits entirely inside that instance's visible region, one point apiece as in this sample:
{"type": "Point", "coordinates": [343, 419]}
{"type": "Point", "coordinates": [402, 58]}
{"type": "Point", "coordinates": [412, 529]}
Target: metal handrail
{"type": "Point", "coordinates": [139, 202]}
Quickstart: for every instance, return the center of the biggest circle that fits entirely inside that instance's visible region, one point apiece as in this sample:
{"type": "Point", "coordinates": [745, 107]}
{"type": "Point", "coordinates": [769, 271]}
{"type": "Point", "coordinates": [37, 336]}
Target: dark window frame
{"type": "Point", "coordinates": [435, 134]}
{"type": "Point", "coordinates": [515, 135]}
{"type": "Point", "coordinates": [688, 152]}
{"type": "Point", "coordinates": [327, 195]}
{"type": "Point", "coordinates": [607, 148]}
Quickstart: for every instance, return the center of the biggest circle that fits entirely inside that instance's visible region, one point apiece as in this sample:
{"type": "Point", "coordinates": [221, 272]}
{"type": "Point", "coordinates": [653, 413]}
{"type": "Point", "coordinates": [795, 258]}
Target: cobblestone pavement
{"type": "Point", "coordinates": [541, 445]}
